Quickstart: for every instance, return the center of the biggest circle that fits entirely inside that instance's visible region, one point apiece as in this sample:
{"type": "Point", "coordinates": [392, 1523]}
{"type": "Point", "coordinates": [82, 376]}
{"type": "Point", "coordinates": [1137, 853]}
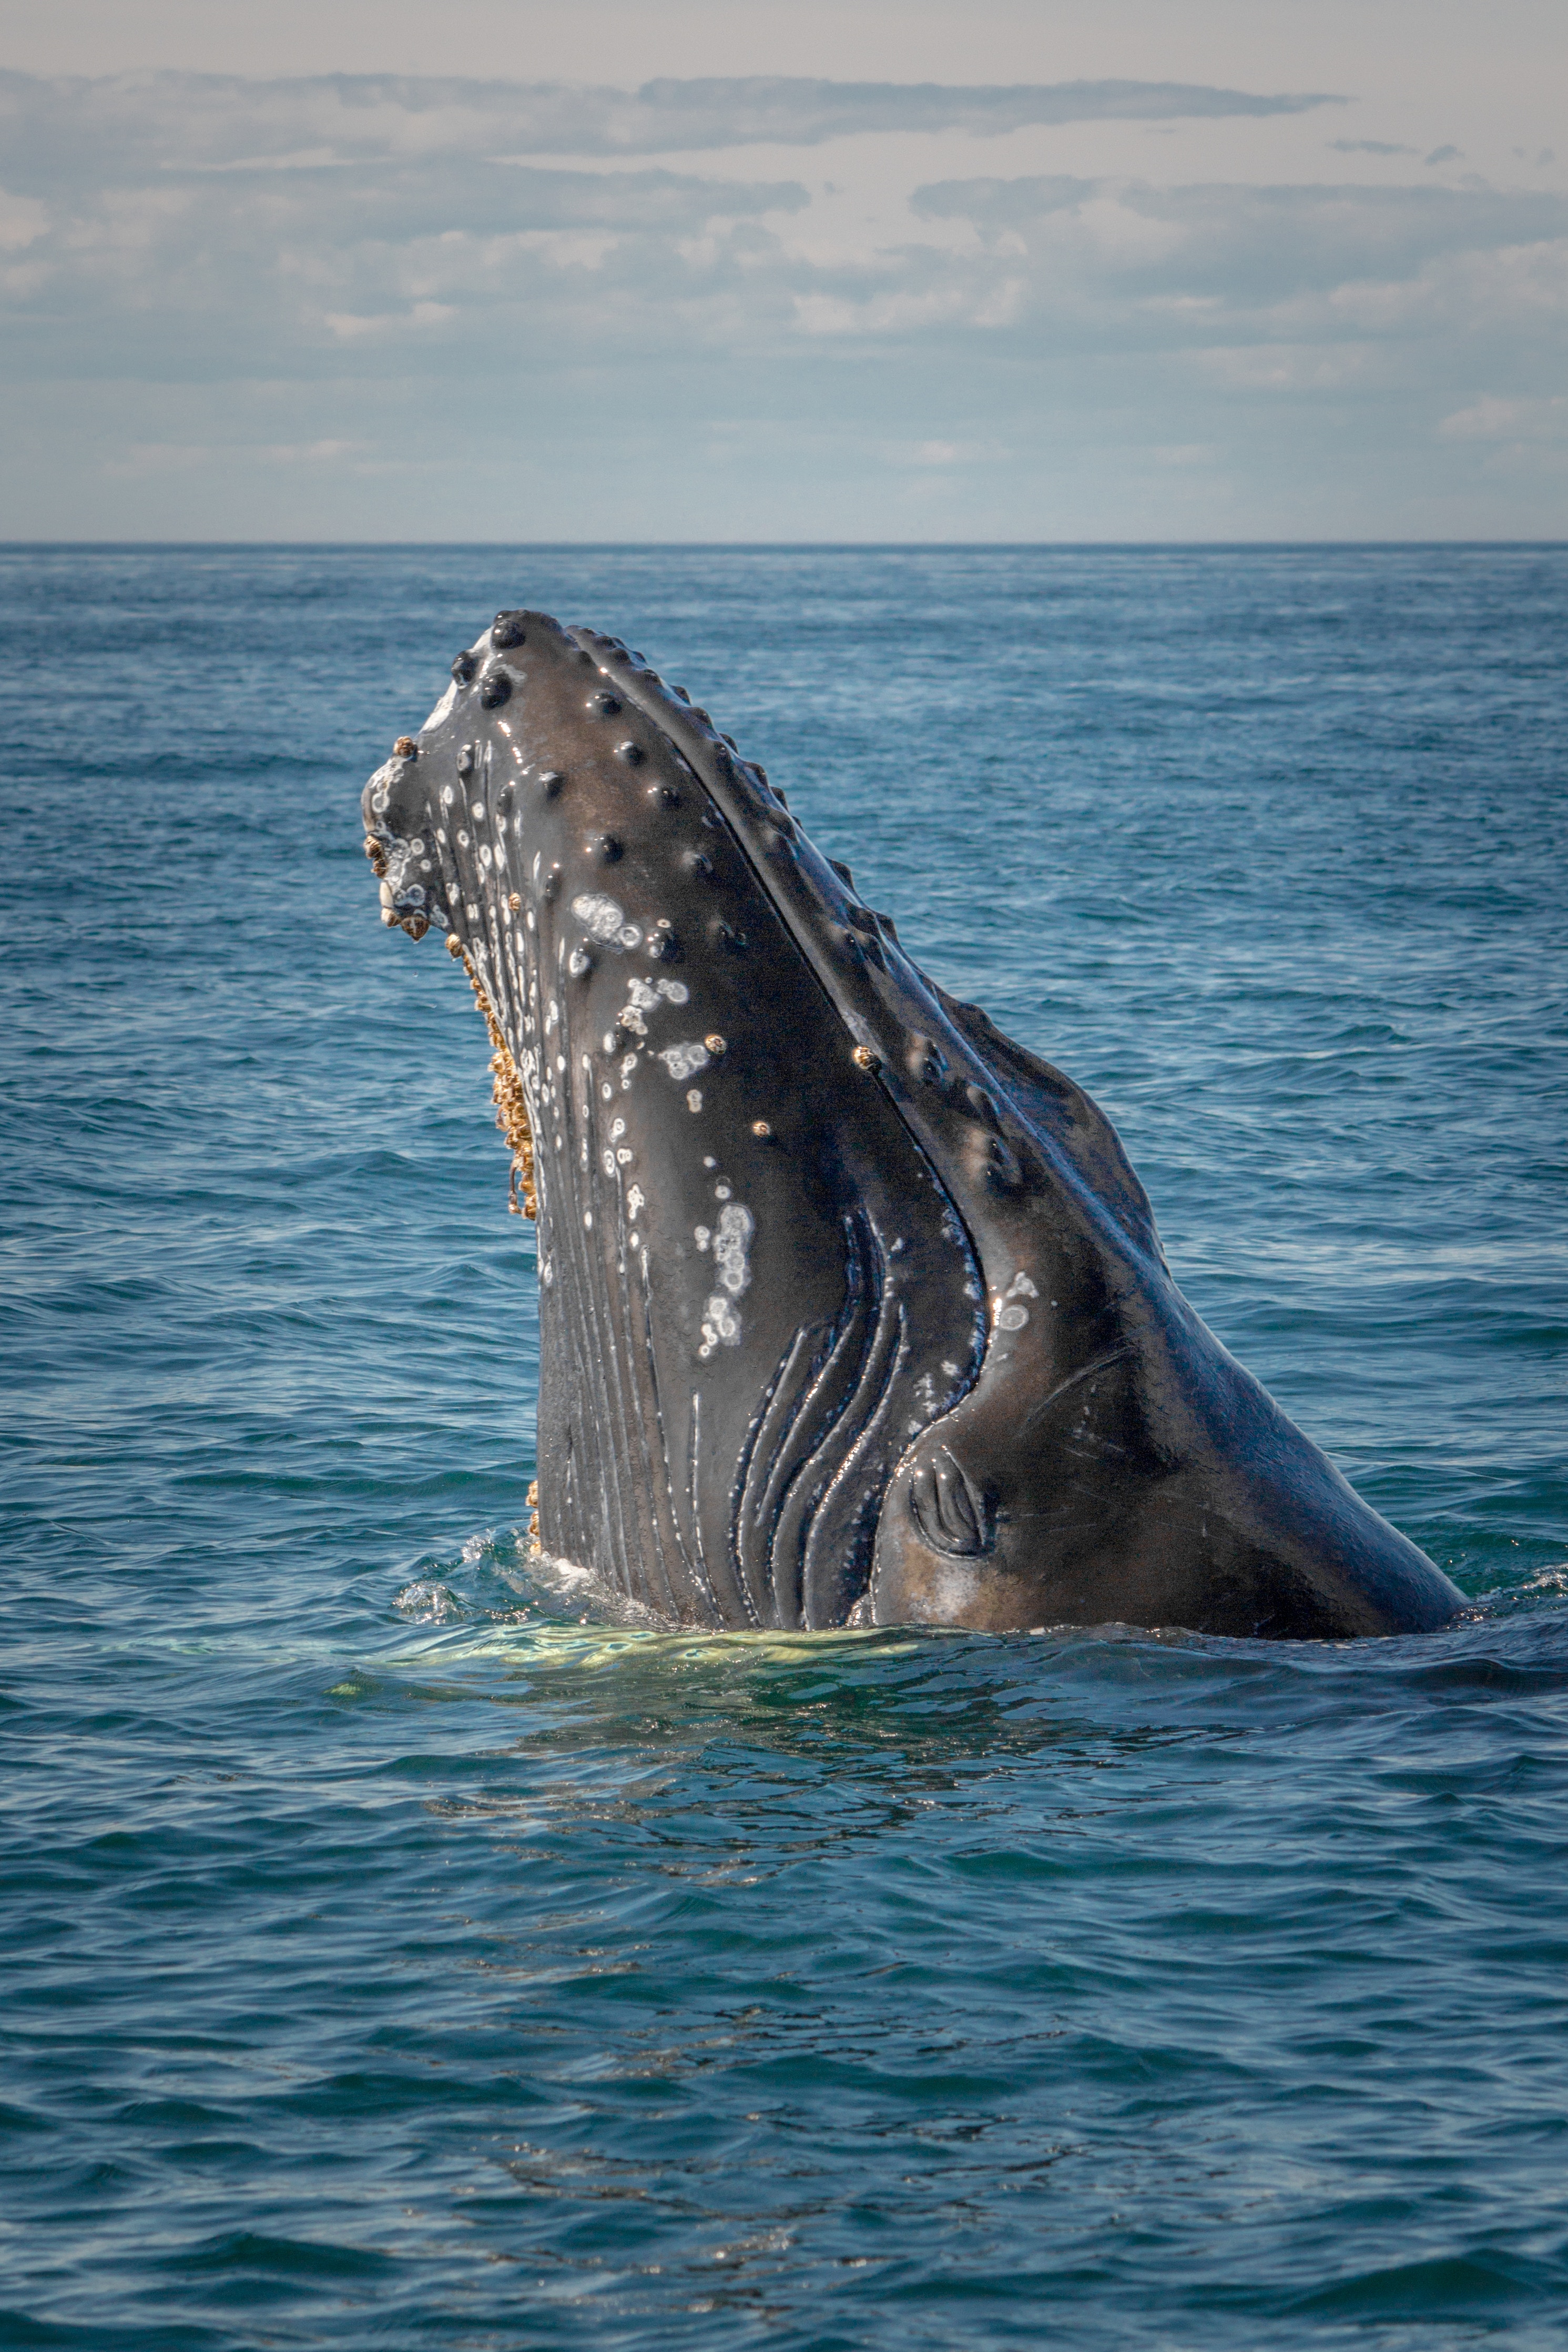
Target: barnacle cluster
{"type": "Point", "coordinates": [511, 1103]}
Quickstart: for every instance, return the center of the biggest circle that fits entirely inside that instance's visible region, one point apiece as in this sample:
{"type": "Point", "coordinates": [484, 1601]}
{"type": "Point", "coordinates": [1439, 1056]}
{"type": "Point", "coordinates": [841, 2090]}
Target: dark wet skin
{"type": "Point", "coordinates": [850, 1309]}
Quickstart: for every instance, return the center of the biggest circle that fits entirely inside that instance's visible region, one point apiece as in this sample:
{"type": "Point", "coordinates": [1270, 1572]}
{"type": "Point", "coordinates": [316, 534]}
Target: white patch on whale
{"type": "Point", "coordinates": [731, 1244]}
{"type": "Point", "coordinates": [442, 709]}
{"type": "Point", "coordinates": [684, 1060]}
{"type": "Point", "coordinates": [1012, 1318]}
{"type": "Point", "coordinates": [721, 1325]}
{"type": "Point", "coordinates": [601, 917]}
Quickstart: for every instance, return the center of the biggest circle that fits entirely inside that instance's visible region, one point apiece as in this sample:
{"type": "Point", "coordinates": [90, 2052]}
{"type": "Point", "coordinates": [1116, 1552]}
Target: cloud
{"type": "Point", "coordinates": [1494, 419]}
{"type": "Point", "coordinates": [1369, 147]}
{"type": "Point", "coordinates": [1446, 155]}
{"type": "Point", "coordinates": [1220, 244]}
{"type": "Point", "coordinates": [238, 273]}
{"type": "Point", "coordinates": [61, 132]}
{"type": "Point", "coordinates": [326, 286]}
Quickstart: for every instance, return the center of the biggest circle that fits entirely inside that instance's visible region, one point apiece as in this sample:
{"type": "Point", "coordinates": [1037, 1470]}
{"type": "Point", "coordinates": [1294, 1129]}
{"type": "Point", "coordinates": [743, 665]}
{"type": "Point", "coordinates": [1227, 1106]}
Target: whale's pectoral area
{"type": "Point", "coordinates": [850, 1309]}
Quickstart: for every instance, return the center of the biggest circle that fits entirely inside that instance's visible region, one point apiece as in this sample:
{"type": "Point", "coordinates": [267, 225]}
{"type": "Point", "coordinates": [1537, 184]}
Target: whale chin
{"type": "Point", "coordinates": [852, 1310]}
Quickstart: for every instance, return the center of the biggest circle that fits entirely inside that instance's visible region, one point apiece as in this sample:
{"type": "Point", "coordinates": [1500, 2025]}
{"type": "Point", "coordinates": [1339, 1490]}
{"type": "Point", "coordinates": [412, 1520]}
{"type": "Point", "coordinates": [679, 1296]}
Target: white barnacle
{"type": "Point", "coordinates": [618, 1128]}
{"type": "Point", "coordinates": [628, 1066]}
{"type": "Point", "coordinates": [720, 1321]}
{"type": "Point", "coordinates": [694, 1098]}
{"type": "Point", "coordinates": [629, 935]}
{"type": "Point", "coordinates": [683, 1061]}
{"type": "Point", "coordinates": [631, 1021]}
{"type": "Point", "coordinates": [1020, 1285]}
{"type": "Point", "coordinates": [634, 1200]}
{"type": "Point", "coordinates": [608, 1163]}
{"type": "Point", "coordinates": [702, 1235]}
{"type": "Point", "coordinates": [673, 991]}
{"type": "Point", "coordinates": [645, 998]}
{"type": "Point", "coordinates": [1011, 1319]}
{"type": "Point", "coordinates": [623, 1157]}
{"type": "Point", "coordinates": [578, 963]}
{"type": "Point", "coordinates": [731, 1243]}
{"type": "Point", "coordinates": [601, 917]}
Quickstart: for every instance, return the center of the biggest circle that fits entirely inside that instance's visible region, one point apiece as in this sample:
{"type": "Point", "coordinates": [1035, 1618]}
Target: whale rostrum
{"type": "Point", "coordinates": [851, 1311]}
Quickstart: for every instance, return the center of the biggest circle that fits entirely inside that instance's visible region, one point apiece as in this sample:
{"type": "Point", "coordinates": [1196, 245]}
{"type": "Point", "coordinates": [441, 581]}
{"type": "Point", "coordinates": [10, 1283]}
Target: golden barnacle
{"type": "Point", "coordinates": [514, 902]}
{"type": "Point", "coordinates": [376, 855]}
{"type": "Point", "coordinates": [533, 1493]}
{"type": "Point", "coordinates": [512, 1102]}
{"type": "Point", "coordinates": [405, 748]}
{"type": "Point", "coordinates": [864, 1058]}
{"type": "Point", "coordinates": [716, 1044]}
{"type": "Point", "coordinates": [454, 944]}
{"type": "Point", "coordinates": [760, 1127]}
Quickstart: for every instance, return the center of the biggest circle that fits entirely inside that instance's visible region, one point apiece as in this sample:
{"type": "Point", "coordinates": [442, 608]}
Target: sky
{"type": "Point", "coordinates": [771, 269]}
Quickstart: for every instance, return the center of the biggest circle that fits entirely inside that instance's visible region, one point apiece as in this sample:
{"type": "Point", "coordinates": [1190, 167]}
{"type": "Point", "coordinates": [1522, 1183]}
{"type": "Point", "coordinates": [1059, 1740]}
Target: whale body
{"type": "Point", "coordinates": [852, 1310]}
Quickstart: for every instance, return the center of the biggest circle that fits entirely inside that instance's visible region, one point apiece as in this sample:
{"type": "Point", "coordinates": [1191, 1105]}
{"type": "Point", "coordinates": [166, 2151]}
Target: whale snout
{"type": "Point", "coordinates": [402, 842]}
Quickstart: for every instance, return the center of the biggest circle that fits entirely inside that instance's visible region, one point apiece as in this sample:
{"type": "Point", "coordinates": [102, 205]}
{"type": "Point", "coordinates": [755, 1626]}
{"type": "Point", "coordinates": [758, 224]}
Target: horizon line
{"type": "Point", "coordinates": [775, 546]}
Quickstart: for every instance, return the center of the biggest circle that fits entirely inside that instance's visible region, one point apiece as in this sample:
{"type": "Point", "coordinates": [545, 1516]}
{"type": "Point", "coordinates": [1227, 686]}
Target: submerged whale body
{"type": "Point", "coordinates": [850, 1310]}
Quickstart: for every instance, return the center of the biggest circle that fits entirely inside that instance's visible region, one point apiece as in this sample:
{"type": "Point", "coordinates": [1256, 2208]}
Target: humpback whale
{"type": "Point", "coordinates": [851, 1311]}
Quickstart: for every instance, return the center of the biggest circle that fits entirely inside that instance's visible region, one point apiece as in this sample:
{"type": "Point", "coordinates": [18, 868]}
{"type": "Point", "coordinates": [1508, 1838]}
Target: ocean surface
{"type": "Point", "coordinates": [396, 1952]}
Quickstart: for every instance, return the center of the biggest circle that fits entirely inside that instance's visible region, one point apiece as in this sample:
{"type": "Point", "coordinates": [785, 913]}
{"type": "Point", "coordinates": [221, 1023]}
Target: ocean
{"type": "Point", "coordinates": [398, 1951]}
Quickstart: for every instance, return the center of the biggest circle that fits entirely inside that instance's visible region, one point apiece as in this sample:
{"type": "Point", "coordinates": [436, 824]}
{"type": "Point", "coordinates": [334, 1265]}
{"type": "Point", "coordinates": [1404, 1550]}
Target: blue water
{"type": "Point", "coordinates": [395, 1952]}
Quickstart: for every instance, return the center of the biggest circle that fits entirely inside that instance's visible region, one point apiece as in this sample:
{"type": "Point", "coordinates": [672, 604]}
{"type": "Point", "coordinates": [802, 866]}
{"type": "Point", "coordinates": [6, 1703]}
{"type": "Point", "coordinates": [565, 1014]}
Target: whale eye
{"type": "Point", "coordinates": [508, 630]}
{"type": "Point", "coordinates": [607, 704]}
{"type": "Point", "coordinates": [665, 795]}
{"type": "Point", "coordinates": [632, 754]}
{"type": "Point", "coordinates": [550, 782]}
{"type": "Point", "coordinates": [464, 668]}
{"type": "Point", "coordinates": [497, 689]}
{"type": "Point", "coordinates": [607, 849]}
{"type": "Point", "coordinates": [697, 864]}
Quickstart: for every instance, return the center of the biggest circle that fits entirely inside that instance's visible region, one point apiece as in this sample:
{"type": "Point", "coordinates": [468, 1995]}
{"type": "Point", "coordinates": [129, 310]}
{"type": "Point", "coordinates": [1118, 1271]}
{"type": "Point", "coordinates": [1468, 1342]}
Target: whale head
{"type": "Point", "coordinates": [754, 1289]}
{"type": "Point", "coordinates": [850, 1309]}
